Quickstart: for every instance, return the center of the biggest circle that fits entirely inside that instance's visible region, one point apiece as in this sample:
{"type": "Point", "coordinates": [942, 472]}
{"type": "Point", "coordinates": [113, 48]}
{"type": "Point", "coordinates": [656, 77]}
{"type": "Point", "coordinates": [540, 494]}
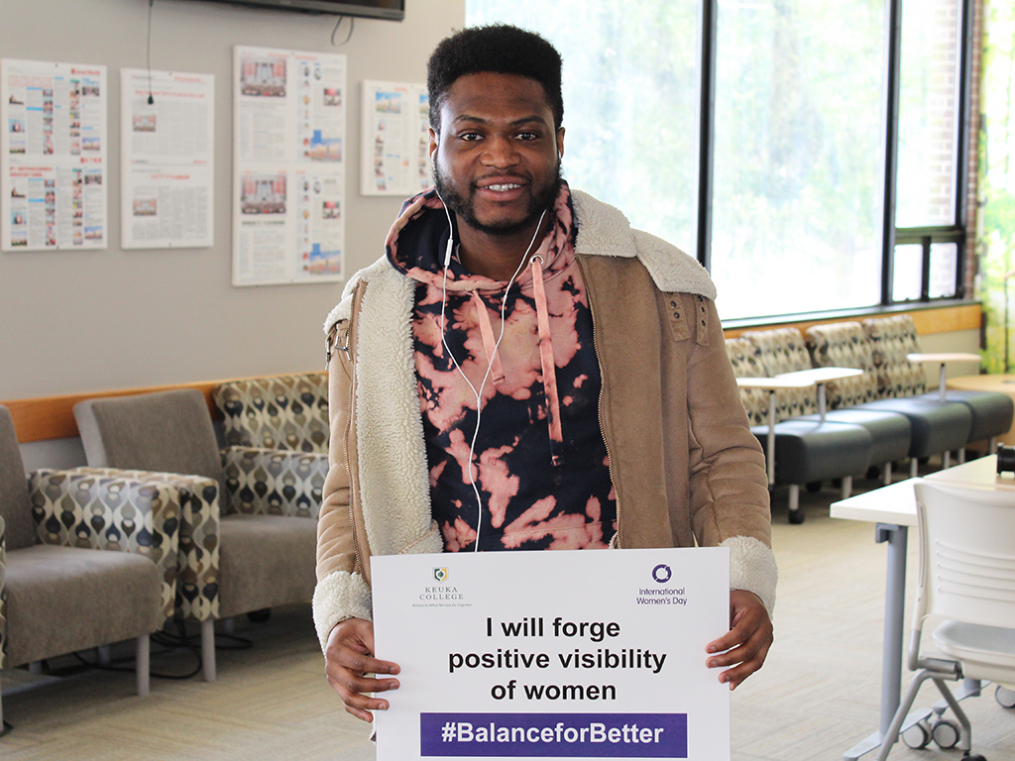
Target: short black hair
{"type": "Point", "coordinates": [498, 48]}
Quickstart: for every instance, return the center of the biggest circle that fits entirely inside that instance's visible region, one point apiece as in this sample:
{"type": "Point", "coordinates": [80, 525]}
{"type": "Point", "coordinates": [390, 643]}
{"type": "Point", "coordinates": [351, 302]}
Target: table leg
{"type": "Point", "coordinates": [891, 661]}
{"type": "Point", "coordinates": [770, 448]}
{"type": "Point", "coordinates": [942, 382]}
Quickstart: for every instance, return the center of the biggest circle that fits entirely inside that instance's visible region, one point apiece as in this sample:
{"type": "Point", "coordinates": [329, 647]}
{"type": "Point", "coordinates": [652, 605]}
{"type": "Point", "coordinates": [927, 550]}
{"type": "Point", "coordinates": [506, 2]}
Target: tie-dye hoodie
{"type": "Point", "coordinates": [539, 462]}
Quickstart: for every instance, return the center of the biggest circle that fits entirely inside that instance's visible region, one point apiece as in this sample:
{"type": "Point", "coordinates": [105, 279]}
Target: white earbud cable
{"type": "Point", "coordinates": [489, 368]}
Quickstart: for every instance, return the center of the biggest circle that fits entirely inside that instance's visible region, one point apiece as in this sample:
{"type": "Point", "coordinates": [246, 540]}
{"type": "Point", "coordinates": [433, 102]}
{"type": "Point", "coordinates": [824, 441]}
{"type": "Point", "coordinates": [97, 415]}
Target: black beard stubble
{"type": "Point", "coordinates": [464, 208]}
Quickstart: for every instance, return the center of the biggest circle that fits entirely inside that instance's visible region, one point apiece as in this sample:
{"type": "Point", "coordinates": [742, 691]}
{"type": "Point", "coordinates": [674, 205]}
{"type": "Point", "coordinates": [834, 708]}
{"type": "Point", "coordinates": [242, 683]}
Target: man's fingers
{"type": "Point", "coordinates": [357, 702]}
{"type": "Point", "coordinates": [361, 663]}
{"type": "Point", "coordinates": [364, 715]}
{"type": "Point", "coordinates": [349, 659]}
{"type": "Point", "coordinates": [738, 674]}
{"type": "Point", "coordinates": [741, 632]}
{"type": "Point", "coordinates": [355, 682]}
{"type": "Point", "coordinates": [745, 646]}
{"type": "Point", "coordinates": [755, 648]}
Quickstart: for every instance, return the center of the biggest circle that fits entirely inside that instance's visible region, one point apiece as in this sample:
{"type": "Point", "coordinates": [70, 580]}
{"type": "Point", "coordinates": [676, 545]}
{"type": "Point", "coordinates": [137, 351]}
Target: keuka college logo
{"type": "Point", "coordinates": [661, 573]}
{"type": "Point", "coordinates": [440, 574]}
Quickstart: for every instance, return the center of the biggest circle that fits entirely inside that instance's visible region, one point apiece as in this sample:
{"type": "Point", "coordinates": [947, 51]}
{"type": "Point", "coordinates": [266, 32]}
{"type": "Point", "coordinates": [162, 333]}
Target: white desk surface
{"type": "Point", "coordinates": [772, 384]}
{"type": "Point", "coordinates": [980, 472]}
{"type": "Point", "coordinates": [896, 504]}
{"type": "Point", "coordinates": [942, 357]}
{"type": "Point", "coordinates": [822, 374]}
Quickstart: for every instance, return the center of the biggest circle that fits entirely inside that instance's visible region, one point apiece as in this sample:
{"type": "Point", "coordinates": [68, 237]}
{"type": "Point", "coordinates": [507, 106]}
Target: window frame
{"type": "Point", "coordinates": [958, 233]}
{"type": "Point", "coordinates": [891, 235]}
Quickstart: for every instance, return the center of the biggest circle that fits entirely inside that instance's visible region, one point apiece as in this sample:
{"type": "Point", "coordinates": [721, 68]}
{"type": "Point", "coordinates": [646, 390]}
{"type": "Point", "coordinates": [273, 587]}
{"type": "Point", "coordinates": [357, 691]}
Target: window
{"type": "Point", "coordinates": [630, 102]}
{"type": "Point", "coordinates": [927, 194]}
{"type": "Point", "coordinates": [928, 114]}
{"type": "Point", "coordinates": [797, 164]}
{"type": "Point", "coordinates": [778, 182]}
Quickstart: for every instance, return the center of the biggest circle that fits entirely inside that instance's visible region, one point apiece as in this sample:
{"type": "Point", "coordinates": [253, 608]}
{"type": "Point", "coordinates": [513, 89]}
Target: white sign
{"type": "Point", "coordinates": [53, 149]}
{"type": "Point", "coordinates": [553, 654]}
{"type": "Point", "coordinates": [394, 139]}
{"type": "Point", "coordinates": [288, 166]}
{"type": "Point", "coordinates": [167, 159]}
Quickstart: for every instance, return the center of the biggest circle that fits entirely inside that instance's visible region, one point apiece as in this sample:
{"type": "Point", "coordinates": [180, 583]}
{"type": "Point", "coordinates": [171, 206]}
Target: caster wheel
{"type": "Point", "coordinates": [917, 736]}
{"type": "Point", "coordinates": [1004, 697]}
{"type": "Point", "coordinates": [796, 517]}
{"type": "Point", "coordinates": [945, 733]}
{"type": "Point", "coordinates": [974, 757]}
{"type": "Point", "coordinates": [813, 487]}
{"type": "Point", "coordinates": [873, 473]}
{"type": "Point", "coordinates": [259, 616]}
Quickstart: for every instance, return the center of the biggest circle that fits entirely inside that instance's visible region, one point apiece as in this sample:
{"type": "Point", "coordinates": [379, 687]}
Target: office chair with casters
{"type": "Point", "coordinates": [967, 578]}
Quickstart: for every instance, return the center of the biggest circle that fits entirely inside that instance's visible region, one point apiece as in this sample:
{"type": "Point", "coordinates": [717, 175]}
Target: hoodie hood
{"type": "Point", "coordinates": [417, 241]}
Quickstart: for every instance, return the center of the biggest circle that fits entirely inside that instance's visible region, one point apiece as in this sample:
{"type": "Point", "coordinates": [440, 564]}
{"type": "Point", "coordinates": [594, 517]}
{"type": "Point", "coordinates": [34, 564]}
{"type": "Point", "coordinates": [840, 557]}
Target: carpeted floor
{"type": "Point", "coordinates": [816, 697]}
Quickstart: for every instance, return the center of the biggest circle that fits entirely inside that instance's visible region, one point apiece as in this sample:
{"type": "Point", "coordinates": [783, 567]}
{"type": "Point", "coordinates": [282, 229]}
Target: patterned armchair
{"type": "Point", "coordinates": [282, 412]}
{"type": "Point", "coordinates": [798, 450]}
{"type": "Point", "coordinates": [936, 427]}
{"type": "Point", "coordinates": [249, 528]}
{"type": "Point", "coordinates": [891, 339]}
{"type": "Point", "coordinates": [744, 356]}
{"type": "Point", "coordinates": [84, 560]}
{"type": "Point", "coordinates": [277, 429]}
{"type": "Point", "coordinates": [782, 350]}
{"type": "Point", "coordinates": [844, 344]}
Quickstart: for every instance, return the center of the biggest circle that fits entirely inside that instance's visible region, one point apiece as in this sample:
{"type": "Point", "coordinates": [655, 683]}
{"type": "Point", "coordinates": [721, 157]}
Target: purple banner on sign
{"type": "Point", "coordinates": [594, 735]}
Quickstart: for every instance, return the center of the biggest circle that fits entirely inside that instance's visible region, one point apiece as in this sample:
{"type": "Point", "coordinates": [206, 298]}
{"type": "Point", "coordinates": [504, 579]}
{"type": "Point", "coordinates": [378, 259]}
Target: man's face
{"type": "Point", "coordinates": [497, 157]}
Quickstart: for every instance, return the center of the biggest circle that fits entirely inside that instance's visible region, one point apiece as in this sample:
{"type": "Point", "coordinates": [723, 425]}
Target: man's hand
{"type": "Point", "coordinates": [747, 642]}
{"type": "Point", "coordinates": [349, 659]}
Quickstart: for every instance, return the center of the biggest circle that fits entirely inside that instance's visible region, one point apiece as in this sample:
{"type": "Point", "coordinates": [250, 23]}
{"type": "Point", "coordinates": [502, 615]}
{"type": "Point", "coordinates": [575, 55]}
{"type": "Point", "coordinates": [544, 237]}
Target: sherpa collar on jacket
{"type": "Point", "coordinates": [603, 230]}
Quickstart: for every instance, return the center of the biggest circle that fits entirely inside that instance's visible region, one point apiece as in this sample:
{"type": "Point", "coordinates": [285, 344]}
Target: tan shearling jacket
{"type": "Point", "coordinates": [686, 468]}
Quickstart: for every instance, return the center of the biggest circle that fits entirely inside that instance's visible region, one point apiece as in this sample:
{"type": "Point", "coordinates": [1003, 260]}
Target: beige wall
{"type": "Point", "coordinates": [82, 321]}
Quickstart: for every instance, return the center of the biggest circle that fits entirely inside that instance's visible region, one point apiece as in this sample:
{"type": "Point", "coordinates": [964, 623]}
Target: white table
{"type": "Point", "coordinates": [818, 376]}
{"type": "Point", "coordinates": [943, 358]}
{"type": "Point", "coordinates": [771, 385]}
{"type": "Point", "coordinates": [893, 509]}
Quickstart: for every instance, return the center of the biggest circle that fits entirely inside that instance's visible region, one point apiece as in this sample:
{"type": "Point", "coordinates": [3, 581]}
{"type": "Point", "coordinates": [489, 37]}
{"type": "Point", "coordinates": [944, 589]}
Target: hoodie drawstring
{"type": "Point", "coordinates": [489, 345]}
{"type": "Point", "coordinates": [549, 369]}
{"type": "Point", "coordinates": [546, 360]}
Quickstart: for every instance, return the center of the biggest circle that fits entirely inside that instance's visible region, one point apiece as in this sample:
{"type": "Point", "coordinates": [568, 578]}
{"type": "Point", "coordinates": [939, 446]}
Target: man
{"type": "Point", "coordinates": [523, 370]}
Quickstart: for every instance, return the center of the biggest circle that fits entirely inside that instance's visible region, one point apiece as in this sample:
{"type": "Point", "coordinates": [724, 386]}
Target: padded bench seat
{"type": "Point", "coordinates": [890, 433]}
{"type": "Point", "coordinates": [809, 450]}
{"type": "Point", "coordinates": [992, 413]}
{"type": "Point", "coordinates": [936, 426]}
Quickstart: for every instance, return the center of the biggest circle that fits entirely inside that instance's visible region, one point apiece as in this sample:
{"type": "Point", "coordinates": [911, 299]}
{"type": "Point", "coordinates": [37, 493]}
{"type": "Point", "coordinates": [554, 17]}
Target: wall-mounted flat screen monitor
{"type": "Point", "coordinates": [392, 10]}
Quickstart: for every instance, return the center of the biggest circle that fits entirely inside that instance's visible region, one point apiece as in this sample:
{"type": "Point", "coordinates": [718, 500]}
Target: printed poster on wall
{"type": "Point", "coordinates": [289, 166]}
{"type": "Point", "coordinates": [167, 161]}
{"type": "Point", "coordinates": [53, 149]}
{"type": "Point", "coordinates": [394, 156]}
{"type": "Point", "coordinates": [553, 654]}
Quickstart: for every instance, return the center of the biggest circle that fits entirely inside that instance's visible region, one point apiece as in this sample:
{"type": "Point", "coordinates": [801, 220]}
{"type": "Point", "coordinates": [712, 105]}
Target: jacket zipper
{"type": "Point", "coordinates": [602, 387]}
{"type": "Point", "coordinates": [351, 350]}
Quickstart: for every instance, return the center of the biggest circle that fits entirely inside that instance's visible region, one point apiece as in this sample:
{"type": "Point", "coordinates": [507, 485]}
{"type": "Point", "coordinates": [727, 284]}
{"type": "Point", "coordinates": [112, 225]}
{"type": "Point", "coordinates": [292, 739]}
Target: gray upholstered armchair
{"type": "Point", "coordinates": [85, 560]}
{"type": "Point", "coordinates": [249, 525]}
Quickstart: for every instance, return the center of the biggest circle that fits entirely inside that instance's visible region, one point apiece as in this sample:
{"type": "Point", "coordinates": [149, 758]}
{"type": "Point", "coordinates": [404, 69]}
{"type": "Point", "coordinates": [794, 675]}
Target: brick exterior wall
{"type": "Point", "coordinates": [972, 183]}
